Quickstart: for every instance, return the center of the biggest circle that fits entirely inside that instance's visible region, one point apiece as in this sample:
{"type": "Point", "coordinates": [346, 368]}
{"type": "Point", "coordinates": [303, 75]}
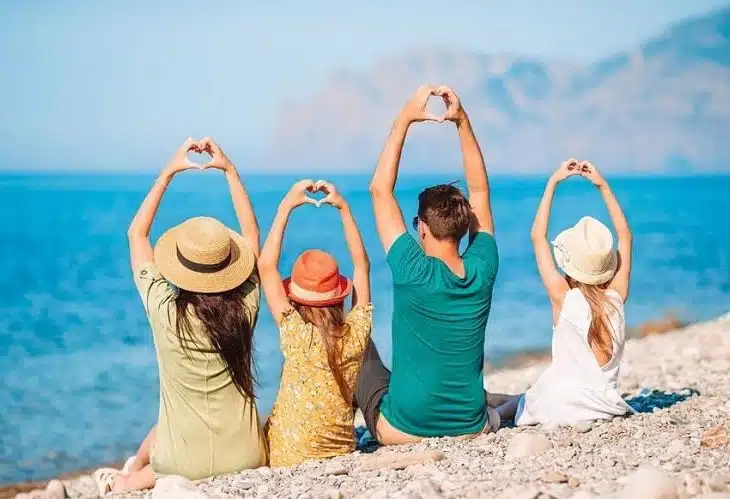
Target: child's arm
{"type": "Point", "coordinates": [269, 260]}
{"type": "Point", "coordinates": [620, 281]}
{"type": "Point", "coordinates": [553, 280]}
{"type": "Point", "coordinates": [360, 260]}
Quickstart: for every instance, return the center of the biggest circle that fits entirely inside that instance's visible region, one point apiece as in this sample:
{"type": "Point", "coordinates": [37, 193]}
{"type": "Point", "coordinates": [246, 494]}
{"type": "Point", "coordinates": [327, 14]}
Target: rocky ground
{"type": "Point", "coordinates": [681, 451]}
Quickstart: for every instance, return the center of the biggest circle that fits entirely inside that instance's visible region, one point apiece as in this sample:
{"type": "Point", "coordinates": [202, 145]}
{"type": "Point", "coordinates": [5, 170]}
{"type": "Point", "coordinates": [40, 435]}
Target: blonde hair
{"type": "Point", "coordinates": [330, 321]}
{"type": "Point", "coordinates": [600, 331]}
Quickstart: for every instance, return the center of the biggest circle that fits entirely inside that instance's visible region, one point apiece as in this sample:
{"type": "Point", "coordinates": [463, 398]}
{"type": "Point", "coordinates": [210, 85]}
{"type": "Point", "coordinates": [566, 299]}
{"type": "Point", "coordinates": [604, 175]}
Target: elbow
{"type": "Point", "coordinates": [265, 264]}
{"type": "Point", "coordinates": [377, 190]}
{"type": "Point", "coordinates": [134, 233]}
{"type": "Point", "coordinates": [536, 235]}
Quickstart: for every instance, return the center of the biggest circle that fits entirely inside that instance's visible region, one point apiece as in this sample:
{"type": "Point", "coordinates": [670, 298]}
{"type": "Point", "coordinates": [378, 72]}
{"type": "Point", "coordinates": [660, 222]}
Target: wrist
{"type": "Point", "coordinates": [462, 120]}
{"type": "Point", "coordinates": [402, 121]}
{"type": "Point", "coordinates": [231, 172]}
{"type": "Point", "coordinates": [165, 176]}
{"type": "Point", "coordinates": [287, 205]}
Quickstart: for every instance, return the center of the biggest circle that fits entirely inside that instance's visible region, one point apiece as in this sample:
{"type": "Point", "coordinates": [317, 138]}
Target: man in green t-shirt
{"type": "Point", "coordinates": [441, 298]}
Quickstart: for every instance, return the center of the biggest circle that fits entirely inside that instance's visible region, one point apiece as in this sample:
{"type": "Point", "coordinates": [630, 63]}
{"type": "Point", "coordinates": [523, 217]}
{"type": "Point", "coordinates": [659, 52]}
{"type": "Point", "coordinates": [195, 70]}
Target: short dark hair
{"type": "Point", "coordinates": [446, 212]}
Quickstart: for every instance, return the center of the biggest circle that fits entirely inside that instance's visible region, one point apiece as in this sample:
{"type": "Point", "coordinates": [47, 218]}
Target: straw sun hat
{"type": "Point", "coordinates": [204, 256]}
{"type": "Point", "coordinates": [585, 252]}
{"type": "Point", "coordinates": [316, 280]}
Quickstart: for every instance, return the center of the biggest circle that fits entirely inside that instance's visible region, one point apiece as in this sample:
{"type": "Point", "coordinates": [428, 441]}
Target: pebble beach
{"type": "Point", "coordinates": [680, 451]}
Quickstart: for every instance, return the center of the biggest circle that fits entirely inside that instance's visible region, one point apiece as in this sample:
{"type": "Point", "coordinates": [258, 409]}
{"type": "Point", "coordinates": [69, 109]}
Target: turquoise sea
{"type": "Point", "coordinates": [79, 379]}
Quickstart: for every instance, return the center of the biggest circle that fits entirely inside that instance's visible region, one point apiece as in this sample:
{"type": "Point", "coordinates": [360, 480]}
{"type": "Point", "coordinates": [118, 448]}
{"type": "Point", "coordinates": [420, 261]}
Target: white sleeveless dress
{"type": "Point", "coordinates": [575, 387]}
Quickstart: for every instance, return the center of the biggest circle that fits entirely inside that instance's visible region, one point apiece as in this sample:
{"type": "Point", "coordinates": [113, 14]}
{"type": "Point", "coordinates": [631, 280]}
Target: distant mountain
{"type": "Point", "coordinates": [664, 107]}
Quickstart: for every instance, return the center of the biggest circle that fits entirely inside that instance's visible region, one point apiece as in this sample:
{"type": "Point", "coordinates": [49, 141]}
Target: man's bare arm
{"type": "Point", "coordinates": [475, 171]}
{"type": "Point", "coordinates": [388, 215]}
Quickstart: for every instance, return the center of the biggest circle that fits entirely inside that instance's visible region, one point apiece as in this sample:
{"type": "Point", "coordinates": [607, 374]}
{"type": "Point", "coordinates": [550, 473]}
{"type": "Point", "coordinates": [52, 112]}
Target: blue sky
{"type": "Point", "coordinates": [116, 84]}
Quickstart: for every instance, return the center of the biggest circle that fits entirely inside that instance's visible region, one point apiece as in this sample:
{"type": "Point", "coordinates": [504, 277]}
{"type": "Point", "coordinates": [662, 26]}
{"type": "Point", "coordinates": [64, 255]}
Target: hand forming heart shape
{"type": "Point", "coordinates": [302, 192]}
{"type": "Point", "coordinates": [415, 109]}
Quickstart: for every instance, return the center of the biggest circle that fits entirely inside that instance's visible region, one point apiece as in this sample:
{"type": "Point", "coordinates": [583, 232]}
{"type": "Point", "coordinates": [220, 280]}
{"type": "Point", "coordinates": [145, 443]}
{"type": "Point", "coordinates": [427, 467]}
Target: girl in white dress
{"type": "Point", "coordinates": [587, 298]}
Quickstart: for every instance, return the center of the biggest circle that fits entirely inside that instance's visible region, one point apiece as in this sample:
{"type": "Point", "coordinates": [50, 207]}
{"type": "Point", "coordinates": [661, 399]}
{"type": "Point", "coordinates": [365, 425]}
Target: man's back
{"type": "Point", "coordinates": [439, 322]}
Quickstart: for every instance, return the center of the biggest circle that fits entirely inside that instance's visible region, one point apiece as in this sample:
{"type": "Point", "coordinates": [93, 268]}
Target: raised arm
{"type": "Point", "coordinates": [140, 249]}
{"type": "Point", "coordinates": [241, 202]}
{"type": "Point", "coordinates": [360, 260]}
{"type": "Point", "coordinates": [554, 282]}
{"type": "Point", "coordinates": [268, 262]}
{"type": "Point", "coordinates": [475, 171]}
{"type": "Point", "coordinates": [388, 215]}
{"type": "Point", "coordinates": [620, 281]}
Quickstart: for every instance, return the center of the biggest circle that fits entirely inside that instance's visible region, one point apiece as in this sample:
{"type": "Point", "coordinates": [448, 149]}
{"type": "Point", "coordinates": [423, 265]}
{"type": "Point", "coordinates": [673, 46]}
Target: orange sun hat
{"type": "Point", "coordinates": [316, 280]}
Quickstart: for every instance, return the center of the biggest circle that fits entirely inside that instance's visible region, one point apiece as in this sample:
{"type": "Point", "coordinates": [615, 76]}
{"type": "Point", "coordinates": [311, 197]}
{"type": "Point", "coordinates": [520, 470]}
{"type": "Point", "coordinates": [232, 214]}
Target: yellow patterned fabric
{"type": "Point", "coordinates": [311, 419]}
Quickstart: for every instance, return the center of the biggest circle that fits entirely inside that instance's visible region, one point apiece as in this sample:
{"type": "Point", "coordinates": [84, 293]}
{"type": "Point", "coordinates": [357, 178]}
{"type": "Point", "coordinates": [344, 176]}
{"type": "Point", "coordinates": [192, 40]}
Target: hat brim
{"type": "Point", "coordinates": [233, 275]}
{"type": "Point", "coordinates": [579, 275]}
{"type": "Point", "coordinates": [345, 286]}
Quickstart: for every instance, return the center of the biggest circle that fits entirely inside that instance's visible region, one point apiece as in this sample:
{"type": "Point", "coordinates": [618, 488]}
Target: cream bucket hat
{"type": "Point", "coordinates": [585, 252]}
{"type": "Point", "coordinates": [204, 256]}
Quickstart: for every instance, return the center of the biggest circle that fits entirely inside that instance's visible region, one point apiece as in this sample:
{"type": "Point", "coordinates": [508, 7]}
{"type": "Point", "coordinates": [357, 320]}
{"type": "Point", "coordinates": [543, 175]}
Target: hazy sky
{"type": "Point", "coordinates": [116, 84]}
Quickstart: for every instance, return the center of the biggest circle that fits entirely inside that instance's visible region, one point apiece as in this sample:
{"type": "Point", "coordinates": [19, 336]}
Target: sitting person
{"type": "Point", "coordinates": [441, 298]}
{"type": "Point", "coordinates": [589, 327]}
{"type": "Point", "coordinates": [201, 293]}
{"type": "Point", "coordinates": [322, 345]}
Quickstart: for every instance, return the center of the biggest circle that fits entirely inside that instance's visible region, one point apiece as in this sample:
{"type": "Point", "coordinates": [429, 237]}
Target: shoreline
{"type": "Point", "coordinates": [696, 356]}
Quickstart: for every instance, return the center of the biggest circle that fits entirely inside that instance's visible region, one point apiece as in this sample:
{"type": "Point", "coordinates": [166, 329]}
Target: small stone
{"type": "Point", "coordinates": [55, 490]}
{"type": "Point", "coordinates": [550, 427]}
{"type": "Point", "coordinates": [265, 471]}
{"type": "Point", "coordinates": [242, 484]}
{"type": "Point", "coordinates": [649, 483]}
{"type": "Point", "coordinates": [176, 487]}
{"type": "Point", "coordinates": [554, 477]}
{"type": "Point", "coordinates": [528, 444]}
{"type": "Point", "coordinates": [719, 483]}
{"type": "Point", "coordinates": [398, 461]}
{"type": "Point", "coordinates": [335, 469]}
{"type": "Point", "coordinates": [674, 419]}
{"type": "Point", "coordinates": [583, 427]}
{"type": "Point", "coordinates": [573, 482]}
{"type": "Point", "coordinates": [714, 438]}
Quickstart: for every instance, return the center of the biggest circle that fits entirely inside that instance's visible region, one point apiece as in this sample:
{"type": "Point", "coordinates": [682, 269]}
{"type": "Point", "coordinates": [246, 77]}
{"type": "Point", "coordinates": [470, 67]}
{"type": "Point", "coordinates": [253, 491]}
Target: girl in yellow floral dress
{"type": "Point", "coordinates": [322, 344]}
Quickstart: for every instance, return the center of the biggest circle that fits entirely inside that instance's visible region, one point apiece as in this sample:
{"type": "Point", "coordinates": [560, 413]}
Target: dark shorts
{"type": "Point", "coordinates": [372, 384]}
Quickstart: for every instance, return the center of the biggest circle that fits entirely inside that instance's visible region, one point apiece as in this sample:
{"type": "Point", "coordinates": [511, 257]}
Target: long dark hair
{"type": "Point", "coordinates": [599, 332]}
{"type": "Point", "coordinates": [229, 328]}
{"type": "Point", "coordinates": [332, 326]}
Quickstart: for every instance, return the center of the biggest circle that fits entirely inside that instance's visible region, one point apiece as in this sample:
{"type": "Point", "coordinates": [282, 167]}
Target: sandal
{"type": "Point", "coordinates": [104, 478]}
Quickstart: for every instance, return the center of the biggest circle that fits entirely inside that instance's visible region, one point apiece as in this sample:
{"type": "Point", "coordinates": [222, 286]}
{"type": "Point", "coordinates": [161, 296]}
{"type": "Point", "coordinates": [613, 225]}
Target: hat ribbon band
{"type": "Point", "coordinates": [203, 268]}
{"type": "Point", "coordinates": [306, 294]}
